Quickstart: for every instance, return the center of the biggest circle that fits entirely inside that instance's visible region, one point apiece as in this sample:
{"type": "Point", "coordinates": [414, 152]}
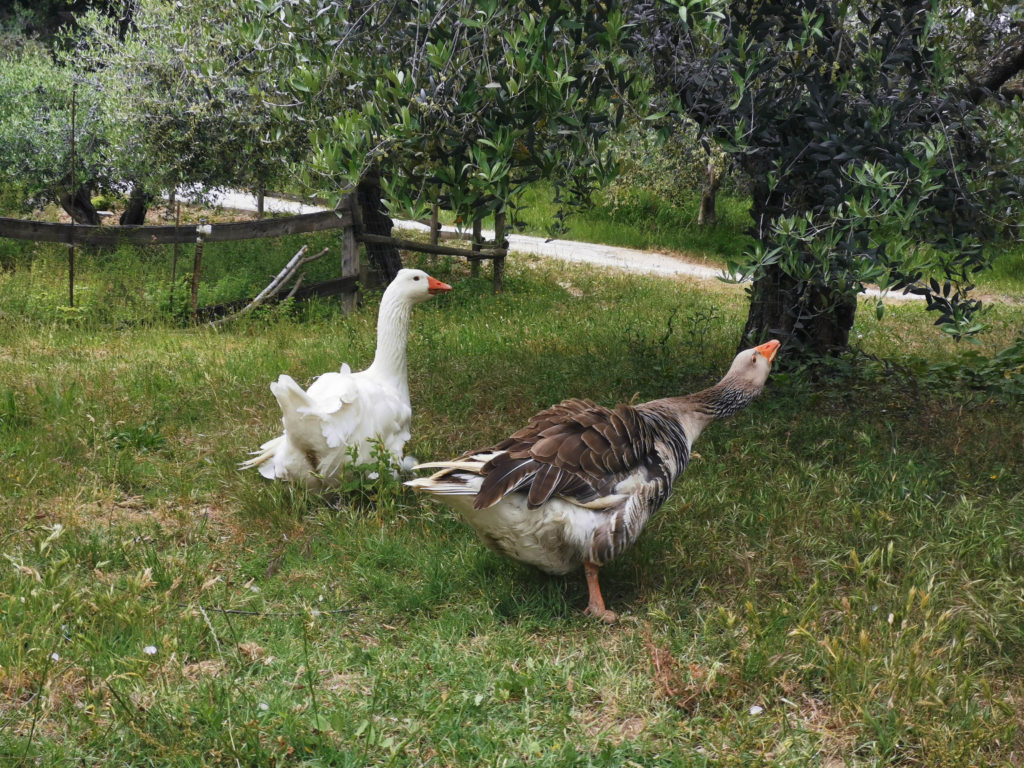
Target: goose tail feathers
{"type": "Point", "coordinates": [261, 458]}
{"type": "Point", "coordinates": [458, 477]}
{"type": "Point", "coordinates": [450, 485]}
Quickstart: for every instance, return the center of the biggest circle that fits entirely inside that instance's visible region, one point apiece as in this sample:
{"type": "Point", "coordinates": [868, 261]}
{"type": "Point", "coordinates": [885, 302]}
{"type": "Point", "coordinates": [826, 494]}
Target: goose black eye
{"type": "Point", "coordinates": [417, 277]}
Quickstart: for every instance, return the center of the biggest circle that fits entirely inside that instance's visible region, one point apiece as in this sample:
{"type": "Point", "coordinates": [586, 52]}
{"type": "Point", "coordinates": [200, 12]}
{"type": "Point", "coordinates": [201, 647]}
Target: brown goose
{"type": "Point", "coordinates": [577, 485]}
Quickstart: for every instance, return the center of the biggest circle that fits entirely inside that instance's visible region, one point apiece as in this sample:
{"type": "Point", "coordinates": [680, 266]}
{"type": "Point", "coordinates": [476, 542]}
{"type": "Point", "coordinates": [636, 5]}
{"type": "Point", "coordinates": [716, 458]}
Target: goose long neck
{"type": "Point", "coordinates": [724, 398]}
{"type": "Point", "coordinates": [696, 411]}
{"type": "Point", "coordinates": [392, 336]}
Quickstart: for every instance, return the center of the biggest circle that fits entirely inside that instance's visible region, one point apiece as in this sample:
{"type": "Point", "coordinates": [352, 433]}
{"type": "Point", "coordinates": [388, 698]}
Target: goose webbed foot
{"type": "Point", "coordinates": [602, 614]}
{"type": "Point", "coordinates": [595, 606]}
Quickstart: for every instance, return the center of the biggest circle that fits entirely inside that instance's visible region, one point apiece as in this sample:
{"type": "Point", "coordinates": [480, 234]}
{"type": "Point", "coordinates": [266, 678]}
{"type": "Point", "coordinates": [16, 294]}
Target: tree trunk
{"type": "Point", "coordinates": [1004, 65]}
{"type": "Point", "coordinates": [708, 217]}
{"type": "Point", "coordinates": [135, 212]}
{"type": "Point", "coordinates": [79, 206]}
{"type": "Point", "coordinates": [811, 320]}
{"type": "Point", "coordinates": [384, 258]}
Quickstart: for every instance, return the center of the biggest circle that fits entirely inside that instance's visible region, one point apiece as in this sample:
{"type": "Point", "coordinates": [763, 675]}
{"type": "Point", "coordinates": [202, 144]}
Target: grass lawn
{"type": "Point", "coordinates": [836, 581]}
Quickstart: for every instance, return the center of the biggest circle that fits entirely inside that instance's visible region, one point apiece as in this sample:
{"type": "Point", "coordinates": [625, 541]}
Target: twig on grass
{"type": "Point", "coordinates": [269, 614]}
{"type": "Point", "coordinates": [37, 705]}
{"type": "Point", "coordinates": [220, 652]}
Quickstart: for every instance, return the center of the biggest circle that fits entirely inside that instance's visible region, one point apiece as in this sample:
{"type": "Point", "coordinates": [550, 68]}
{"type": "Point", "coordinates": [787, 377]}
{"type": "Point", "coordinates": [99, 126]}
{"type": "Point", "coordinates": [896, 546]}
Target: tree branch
{"type": "Point", "coordinates": [1006, 64]}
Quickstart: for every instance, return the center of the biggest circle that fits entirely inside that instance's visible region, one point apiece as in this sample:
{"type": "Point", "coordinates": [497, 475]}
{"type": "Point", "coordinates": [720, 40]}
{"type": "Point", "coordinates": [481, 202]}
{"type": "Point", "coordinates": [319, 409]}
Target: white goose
{"type": "Point", "coordinates": [577, 485]}
{"type": "Point", "coordinates": [342, 409]}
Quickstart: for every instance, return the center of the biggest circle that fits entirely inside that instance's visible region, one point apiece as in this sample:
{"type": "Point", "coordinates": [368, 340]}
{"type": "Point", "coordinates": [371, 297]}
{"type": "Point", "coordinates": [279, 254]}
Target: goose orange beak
{"type": "Point", "coordinates": [435, 287]}
{"type": "Point", "coordinates": [769, 349]}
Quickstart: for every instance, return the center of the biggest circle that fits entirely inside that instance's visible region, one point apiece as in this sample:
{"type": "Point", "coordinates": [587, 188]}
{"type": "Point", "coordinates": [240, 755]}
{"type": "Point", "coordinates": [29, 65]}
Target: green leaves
{"type": "Point", "coordinates": [189, 99]}
{"type": "Point", "coordinates": [486, 96]}
{"type": "Point", "coordinates": [35, 127]}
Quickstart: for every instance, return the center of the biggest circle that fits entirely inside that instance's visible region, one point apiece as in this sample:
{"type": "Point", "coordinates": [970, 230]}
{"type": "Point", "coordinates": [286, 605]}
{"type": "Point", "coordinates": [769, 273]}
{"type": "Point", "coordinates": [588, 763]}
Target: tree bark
{"type": "Point", "coordinates": [809, 318]}
{"type": "Point", "coordinates": [812, 319]}
{"type": "Point", "coordinates": [135, 212]}
{"type": "Point", "coordinates": [1005, 64]}
{"type": "Point", "coordinates": [708, 216]}
{"type": "Point", "coordinates": [384, 258]}
{"type": "Point", "coordinates": [79, 206]}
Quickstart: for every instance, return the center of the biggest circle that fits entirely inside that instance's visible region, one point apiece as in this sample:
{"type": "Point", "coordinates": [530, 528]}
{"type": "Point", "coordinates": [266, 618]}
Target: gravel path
{"type": "Point", "coordinates": [628, 259]}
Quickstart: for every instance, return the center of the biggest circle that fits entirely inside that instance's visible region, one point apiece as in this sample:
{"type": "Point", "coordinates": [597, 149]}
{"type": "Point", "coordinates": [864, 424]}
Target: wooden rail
{"type": "Point", "coordinates": [86, 234]}
{"type": "Point", "coordinates": [439, 250]}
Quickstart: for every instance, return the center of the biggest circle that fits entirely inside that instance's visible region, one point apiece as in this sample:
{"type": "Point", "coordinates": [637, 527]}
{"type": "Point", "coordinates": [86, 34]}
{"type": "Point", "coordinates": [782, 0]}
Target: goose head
{"type": "Point", "coordinates": [750, 368]}
{"type": "Point", "coordinates": [414, 286]}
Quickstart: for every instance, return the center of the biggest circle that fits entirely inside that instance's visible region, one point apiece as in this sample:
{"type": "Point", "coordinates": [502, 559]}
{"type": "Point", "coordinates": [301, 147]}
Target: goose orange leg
{"type": "Point", "coordinates": [596, 607]}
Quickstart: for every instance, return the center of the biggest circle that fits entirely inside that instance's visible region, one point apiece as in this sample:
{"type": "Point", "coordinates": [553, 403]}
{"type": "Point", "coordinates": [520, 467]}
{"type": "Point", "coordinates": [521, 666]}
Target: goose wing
{"type": "Point", "coordinates": [341, 410]}
{"type": "Point", "coordinates": [576, 449]}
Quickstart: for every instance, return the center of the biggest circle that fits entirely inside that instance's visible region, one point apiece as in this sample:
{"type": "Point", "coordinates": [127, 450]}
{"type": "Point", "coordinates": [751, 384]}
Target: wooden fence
{"type": "Point", "coordinates": [345, 217]}
{"type": "Point", "coordinates": [86, 234]}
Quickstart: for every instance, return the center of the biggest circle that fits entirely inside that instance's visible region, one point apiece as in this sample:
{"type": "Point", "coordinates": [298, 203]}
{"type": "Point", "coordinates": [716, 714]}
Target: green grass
{"type": "Point", "coordinates": [845, 555]}
{"type": "Point", "coordinates": [1006, 276]}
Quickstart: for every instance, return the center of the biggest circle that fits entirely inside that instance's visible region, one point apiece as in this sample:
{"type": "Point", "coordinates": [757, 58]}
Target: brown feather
{"type": "Point", "coordinates": [576, 449]}
{"type": "Point", "coordinates": [544, 484]}
{"type": "Point", "coordinates": [501, 479]}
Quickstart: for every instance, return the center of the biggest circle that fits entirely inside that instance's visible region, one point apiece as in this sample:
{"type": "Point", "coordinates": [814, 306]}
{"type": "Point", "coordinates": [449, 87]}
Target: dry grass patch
{"type": "Point", "coordinates": [345, 683]}
{"type": "Point", "coordinates": [199, 670]}
{"type": "Point", "coordinates": [604, 721]}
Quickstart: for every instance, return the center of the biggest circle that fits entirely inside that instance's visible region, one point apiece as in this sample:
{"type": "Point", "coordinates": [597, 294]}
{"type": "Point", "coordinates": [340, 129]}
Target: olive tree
{"type": "Point", "coordinates": [463, 103]}
{"type": "Point", "coordinates": [868, 143]}
{"type": "Point", "coordinates": [191, 104]}
{"type": "Point", "coordinates": [53, 133]}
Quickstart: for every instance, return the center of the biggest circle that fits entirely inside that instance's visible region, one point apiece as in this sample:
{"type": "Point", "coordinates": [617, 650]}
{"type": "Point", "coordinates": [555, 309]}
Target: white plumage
{"type": "Point", "coordinates": [344, 411]}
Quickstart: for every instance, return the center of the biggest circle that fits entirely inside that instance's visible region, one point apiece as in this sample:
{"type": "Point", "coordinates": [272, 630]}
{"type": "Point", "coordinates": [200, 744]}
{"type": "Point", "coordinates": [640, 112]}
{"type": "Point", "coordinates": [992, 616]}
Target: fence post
{"type": "Point", "coordinates": [350, 254]}
{"type": "Point", "coordinates": [71, 276]}
{"type": "Point", "coordinates": [197, 264]}
{"type": "Point", "coordinates": [435, 225]}
{"type": "Point", "coordinates": [499, 242]}
{"type": "Point", "coordinates": [474, 265]}
{"type": "Point", "coordinates": [174, 259]}
{"type": "Point", "coordinates": [71, 245]}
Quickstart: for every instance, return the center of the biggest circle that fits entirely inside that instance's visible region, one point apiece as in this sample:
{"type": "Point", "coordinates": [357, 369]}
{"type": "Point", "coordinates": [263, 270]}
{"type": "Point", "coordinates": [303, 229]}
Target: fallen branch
{"type": "Point", "coordinates": [298, 282]}
{"type": "Point", "coordinates": [297, 261]}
